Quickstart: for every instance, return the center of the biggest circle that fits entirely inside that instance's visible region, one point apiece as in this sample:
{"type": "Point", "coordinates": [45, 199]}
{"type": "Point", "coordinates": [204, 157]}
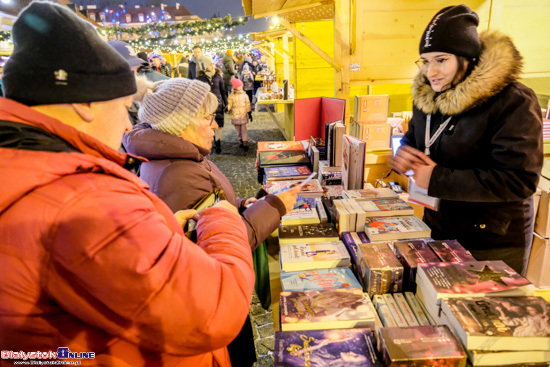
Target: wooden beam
{"type": "Point", "coordinates": [282, 49]}
{"type": "Point", "coordinates": [299, 35]}
{"type": "Point", "coordinates": [264, 51]}
{"type": "Point", "coordinates": [293, 8]}
{"type": "Point", "coordinates": [342, 51]}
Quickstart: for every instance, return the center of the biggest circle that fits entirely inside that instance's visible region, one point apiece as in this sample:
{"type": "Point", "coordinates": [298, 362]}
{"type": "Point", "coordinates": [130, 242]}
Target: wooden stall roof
{"type": "Point", "coordinates": [292, 10]}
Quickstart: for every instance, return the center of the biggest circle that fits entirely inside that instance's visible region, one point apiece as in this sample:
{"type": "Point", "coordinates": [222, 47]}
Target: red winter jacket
{"type": "Point", "coordinates": [92, 261]}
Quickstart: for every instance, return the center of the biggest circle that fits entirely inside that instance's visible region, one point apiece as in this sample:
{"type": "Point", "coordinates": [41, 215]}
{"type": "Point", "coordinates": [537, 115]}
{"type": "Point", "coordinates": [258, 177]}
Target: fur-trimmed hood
{"type": "Point", "coordinates": [499, 65]}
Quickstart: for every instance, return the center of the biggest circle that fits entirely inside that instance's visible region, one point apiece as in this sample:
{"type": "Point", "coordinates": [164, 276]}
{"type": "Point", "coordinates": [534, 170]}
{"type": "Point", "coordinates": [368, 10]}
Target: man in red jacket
{"type": "Point", "coordinates": [95, 268]}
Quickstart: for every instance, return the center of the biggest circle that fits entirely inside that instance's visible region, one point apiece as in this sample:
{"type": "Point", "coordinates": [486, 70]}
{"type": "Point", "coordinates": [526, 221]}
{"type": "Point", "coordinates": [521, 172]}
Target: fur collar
{"type": "Point", "coordinates": [499, 65]}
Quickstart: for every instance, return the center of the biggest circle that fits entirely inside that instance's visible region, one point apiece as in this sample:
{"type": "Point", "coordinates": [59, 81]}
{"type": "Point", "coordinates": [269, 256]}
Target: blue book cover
{"type": "Point", "coordinates": [319, 279]}
{"type": "Point", "coordinates": [316, 348]}
{"type": "Point", "coordinates": [352, 241]}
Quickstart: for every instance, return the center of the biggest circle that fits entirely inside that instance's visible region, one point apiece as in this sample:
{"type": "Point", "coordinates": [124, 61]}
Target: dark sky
{"type": "Point", "coordinates": [202, 8]}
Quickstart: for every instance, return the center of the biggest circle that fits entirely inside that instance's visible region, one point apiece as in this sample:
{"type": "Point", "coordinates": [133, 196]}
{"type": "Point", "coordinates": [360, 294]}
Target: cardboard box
{"type": "Point", "coordinates": [539, 262]}
{"type": "Point", "coordinates": [372, 108]}
{"type": "Point", "coordinates": [377, 136]}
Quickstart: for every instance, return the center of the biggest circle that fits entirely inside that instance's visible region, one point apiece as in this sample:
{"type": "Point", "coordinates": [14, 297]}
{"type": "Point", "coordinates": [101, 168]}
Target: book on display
{"type": "Point", "coordinates": [499, 323]}
{"type": "Point", "coordinates": [309, 256]}
{"type": "Point", "coordinates": [395, 228]}
{"type": "Point", "coordinates": [509, 359]}
{"type": "Point", "coordinates": [450, 251]}
{"type": "Point", "coordinates": [341, 347]}
{"type": "Point", "coordinates": [394, 310]}
{"type": "Point", "coordinates": [383, 311]}
{"type": "Point", "coordinates": [319, 279]}
{"type": "Point", "coordinates": [410, 254]}
{"type": "Point", "coordinates": [327, 309]}
{"type": "Point", "coordinates": [282, 158]}
{"type": "Point", "coordinates": [310, 189]}
{"type": "Point", "coordinates": [383, 272]}
{"type": "Point", "coordinates": [309, 233]}
{"type": "Point", "coordinates": [419, 313]}
{"type": "Point", "coordinates": [385, 207]}
{"type": "Point", "coordinates": [303, 212]}
{"type": "Point", "coordinates": [370, 194]}
{"type": "Point", "coordinates": [405, 309]}
{"type": "Point", "coordinates": [352, 240]}
{"type": "Point", "coordinates": [266, 146]}
{"type": "Point", "coordinates": [421, 346]}
{"type": "Point", "coordinates": [286, 173]}
{"type": "Point", "coordinates": [471, 279]}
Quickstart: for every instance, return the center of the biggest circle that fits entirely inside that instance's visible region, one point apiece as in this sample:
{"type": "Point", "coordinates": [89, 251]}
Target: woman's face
{"type": "Point", "coordinates": [440, 69]}
{"type": "Point", "coordinates": [202, 134]}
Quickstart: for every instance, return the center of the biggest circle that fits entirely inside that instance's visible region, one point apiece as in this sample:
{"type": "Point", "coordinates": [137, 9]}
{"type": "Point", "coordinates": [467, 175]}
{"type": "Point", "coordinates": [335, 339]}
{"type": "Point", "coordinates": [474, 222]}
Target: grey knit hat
{"type": "Point", "coordinates": [172, 104]}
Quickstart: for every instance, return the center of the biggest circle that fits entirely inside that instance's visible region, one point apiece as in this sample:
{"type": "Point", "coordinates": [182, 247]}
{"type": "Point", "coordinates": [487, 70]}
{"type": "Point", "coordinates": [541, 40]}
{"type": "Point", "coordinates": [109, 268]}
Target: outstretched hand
{"type": "Point", "coordinates": [289, 197]}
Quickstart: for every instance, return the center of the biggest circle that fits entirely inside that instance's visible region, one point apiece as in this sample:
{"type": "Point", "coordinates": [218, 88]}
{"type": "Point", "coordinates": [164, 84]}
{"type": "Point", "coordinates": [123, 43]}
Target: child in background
{"type": "Point", "coordinates": [238, 106]}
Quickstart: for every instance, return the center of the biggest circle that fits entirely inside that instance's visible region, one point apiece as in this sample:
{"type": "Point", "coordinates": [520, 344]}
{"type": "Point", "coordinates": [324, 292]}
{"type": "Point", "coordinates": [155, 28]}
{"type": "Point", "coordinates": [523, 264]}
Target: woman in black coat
{"type": "Point", "coordinates": [218, 88]}
{"type": "Point", "coordinates": [475, 138]}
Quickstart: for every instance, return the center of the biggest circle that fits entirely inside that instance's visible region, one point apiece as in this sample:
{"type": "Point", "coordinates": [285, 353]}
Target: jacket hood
{"type": "Point", "coordinates": [500, 64]}
{"type": "Point", "coordinates": [25, 169]}
{"type": "Point", "coordinates": [155, 145]}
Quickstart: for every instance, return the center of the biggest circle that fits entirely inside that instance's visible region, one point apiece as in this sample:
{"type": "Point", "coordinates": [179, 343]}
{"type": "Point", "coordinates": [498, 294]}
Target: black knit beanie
{"type": "Point", "coordinates": [60, 58]}
{"type": "Point", "coordinates": [453, 30]}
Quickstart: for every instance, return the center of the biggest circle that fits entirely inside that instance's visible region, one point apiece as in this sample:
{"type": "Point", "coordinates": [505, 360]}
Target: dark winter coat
{"type": "Point", "coordinates": [192, 72]}
{"type": "Point", "coordinates": [218, 88]}
{"type": "Point", "coordinates": [228, 70]}
{"type": "Point", "coordinates": [179, 173]}
{"type": "Point", "coordinates": [162, 69]}
{"type": "Point", "coordinates": [150, 74]}
{"type": "Point", "coordinates": [489, 157]}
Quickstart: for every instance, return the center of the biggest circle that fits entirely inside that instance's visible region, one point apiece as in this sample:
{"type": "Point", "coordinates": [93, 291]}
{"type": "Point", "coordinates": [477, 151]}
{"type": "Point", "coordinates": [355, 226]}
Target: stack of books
{"type": "Point", "coordinates": [437, 281]}
{"type": "Point", "coordinates": [383, 272]}
{"type": "Point", "coordinates": [497, 331]}
{"type": "Point", "coordinates": [341, 347]}
{"type": "Point", "coordinates": [326, 309]}
{"type": "Point", "coordinates": [280, 154]}
{"type": "Point", "coordinates": [421, 346]}
{"type": "Point", "coordinates": [309, 256]}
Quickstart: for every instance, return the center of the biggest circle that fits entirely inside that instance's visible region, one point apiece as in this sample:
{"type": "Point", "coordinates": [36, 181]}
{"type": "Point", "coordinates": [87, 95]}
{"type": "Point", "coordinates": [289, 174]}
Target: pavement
{"type": "Point", "coordinates": [239, 167]}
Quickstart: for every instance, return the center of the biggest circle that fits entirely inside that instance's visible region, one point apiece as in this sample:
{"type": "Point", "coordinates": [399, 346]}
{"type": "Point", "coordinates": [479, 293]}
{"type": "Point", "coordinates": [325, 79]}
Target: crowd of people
{"type": "Point", "coordinates": [96, 259]}
{"type": "Point", "coordinates": [221, 72]}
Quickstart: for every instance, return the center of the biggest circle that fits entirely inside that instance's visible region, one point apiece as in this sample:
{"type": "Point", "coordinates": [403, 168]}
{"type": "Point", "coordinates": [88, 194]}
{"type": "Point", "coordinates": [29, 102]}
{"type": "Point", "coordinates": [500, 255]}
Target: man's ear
{"type": "Point", "coordinates": [84, 110]}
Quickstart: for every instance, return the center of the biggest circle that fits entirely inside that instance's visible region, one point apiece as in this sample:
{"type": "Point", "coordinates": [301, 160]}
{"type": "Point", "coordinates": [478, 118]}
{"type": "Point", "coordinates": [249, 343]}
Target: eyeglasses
{"type": "Point", "coordinates": [437, 64]}
{"type": "Point", "coordinates": [210, 117]}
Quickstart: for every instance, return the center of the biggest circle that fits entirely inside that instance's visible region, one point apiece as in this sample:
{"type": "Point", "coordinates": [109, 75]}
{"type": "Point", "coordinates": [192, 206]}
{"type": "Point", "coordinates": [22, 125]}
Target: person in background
{"type": "Point", "coordinates": [197, 62]}
{"type": "Point", "coordinates": [135, 63]}
{"type": "Point", "coordinates": [176, 136]}
{"type": "Point", "coordinates": [168, 67]}
{"type": "Point", "coordinates": [183, 67]}
{"type": "Point", "coordinates": [212, 76]}
{"type": "Point", "coordinates": [218, 88]}
{"type": "Point", "coordinates": [158, 67]}
{"type": "Point", "coordinates": [247, 77]}
{"type": "Point", "coordinates": [238, 106]}
{"type": "Point", "coordinates": [475, 138]}
{"type": "Point", "coordinates": [146, 70]}
{"type": "Point", "coordinates": [228, 69]}
{"type": "Point", "coordinates": [91, 260]}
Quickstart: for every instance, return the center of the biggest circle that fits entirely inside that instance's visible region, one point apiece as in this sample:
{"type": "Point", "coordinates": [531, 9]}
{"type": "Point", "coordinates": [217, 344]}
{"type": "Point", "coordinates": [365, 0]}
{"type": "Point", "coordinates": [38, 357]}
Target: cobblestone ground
{"type": "Point", "coordinates": [239, 167]}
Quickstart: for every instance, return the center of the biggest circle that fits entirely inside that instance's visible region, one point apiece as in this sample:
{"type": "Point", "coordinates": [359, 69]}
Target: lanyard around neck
{"type": "Point", "coordinates": [428, 141]}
